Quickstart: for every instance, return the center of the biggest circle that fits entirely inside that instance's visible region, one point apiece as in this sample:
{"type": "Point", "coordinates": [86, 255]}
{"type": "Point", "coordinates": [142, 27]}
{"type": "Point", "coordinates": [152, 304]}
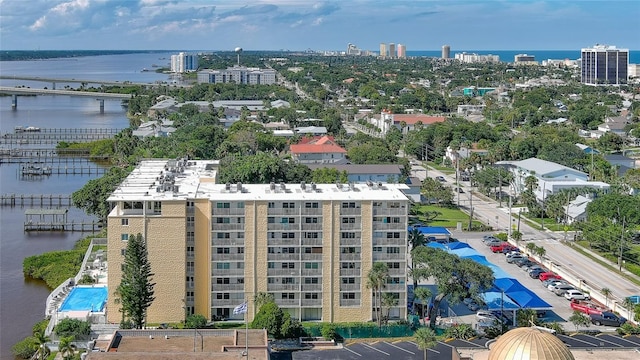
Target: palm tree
{"type": "Point", "coordinates": [389, 301]}
{"type": "Point", "coordinates": [423, 294]}
{"type": "Point", "coordinates": [416, 238]}
{"type": "Point", "coordinates": [66, 347]}
{"type": "Point", "coordinates": [540, 251]}
{"type": "Point", "coordinates": [628, 304]}
{"type": "Point", "coordinates": [41, 340]}
{"type": "Point", "coordinates": [426, 339]}
{"type": "Point", "coordinates": [531, 247]}
{"type": "Point", "coordinates": [376, 280]}
{"type": "Point", "coordinates": [606, 292]}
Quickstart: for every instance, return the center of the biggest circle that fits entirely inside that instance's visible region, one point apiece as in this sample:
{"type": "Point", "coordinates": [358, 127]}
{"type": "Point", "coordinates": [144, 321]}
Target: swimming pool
{"type": "Point", "coordinates": [85, 298]}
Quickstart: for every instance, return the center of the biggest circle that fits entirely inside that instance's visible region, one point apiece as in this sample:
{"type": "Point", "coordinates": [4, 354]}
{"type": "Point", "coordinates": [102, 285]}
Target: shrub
{"type": "Point", "coordinates": [328, 331]}
{"type": "Point", "coordinates": [25, 348]}
{"type": "Point", "coordinates": [195, 322]}
{"type": "Point", "coordinates": [461, 331]}
{"type": "Point", "coordinates": [72, 327]}
{"type": "Point", "coordinates": [270, 318]}
{"type": "Point", "coordinates": [291, 328]}
{"type": "Point", "coordinates": [502, 236]}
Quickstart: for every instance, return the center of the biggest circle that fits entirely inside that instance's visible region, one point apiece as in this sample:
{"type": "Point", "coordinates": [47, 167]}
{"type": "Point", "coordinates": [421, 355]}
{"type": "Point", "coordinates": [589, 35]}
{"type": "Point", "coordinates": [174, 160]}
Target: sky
{"type": "Point", "coordinates": [190, 25]}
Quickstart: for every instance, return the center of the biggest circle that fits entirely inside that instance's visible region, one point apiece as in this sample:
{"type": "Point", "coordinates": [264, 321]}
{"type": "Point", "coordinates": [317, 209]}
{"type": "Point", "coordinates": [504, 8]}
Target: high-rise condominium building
{"type": "Point", "coordinates": [604, 65]}
{"type": "Point", "coordinates": [475, 58]}
{"type": "Point", "coordinates": [213, 246]}
{"type": "Point", "coordinates": [392, 50]}
{"type": "Point", "coordinates": [239, 75]}
{"type": "Point", "coordinates": [402, 51]}
{"type": "Point", "coordinates": [383, 50]}
{"type": "Point", "coordinates": [184, 62]}
{"type": "Point", "coordinates": [446, 51]}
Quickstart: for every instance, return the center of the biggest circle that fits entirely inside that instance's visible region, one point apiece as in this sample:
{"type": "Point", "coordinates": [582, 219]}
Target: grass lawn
{"type": "Point", "coordinates": [548, 224]}
{"type": "Point", "coordinates": [449, 218]}
{"type": "Point", "coordinates": [444, 169]}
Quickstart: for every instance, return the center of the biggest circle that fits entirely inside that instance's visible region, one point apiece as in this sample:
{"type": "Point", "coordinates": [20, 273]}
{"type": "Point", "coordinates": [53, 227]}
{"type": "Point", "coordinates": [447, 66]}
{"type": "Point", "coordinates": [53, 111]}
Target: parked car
{"type": "Point", "coordinates": [559, 290]}
{"type": "Point", "coordinates": [607, 319]}
{"type": "Point", "coordinates": [576, 295]}
{"type": "Point", "coordinates": [587, 307]}
{"type": "Point", "coordinates": [473, 305]}
{"type": "Point", "coordinates": [493, 242]}
{"type": "Point", "coordinates": [441, 178]}
{"type": "Point", "coordinates": [458, 190]}
{"type": "Point", "coordinates": [500, 247]}
{"type": "Point", "coordinates": [530, 268]}
{"type": "Point", "coordinates": [549, 276]}
{"type": "Point", "coordinates": [487, 238]}
{"type": "Point", "coordinates": [552, 286]}
{"type": "Point", "coordinates": [511, 259]}
{"type": "Point", "coordinates": [524, 262]}
{"type": "Point", "coordinates": [485, 316]}
{"type": "Point", "coordinates": [534, 274]}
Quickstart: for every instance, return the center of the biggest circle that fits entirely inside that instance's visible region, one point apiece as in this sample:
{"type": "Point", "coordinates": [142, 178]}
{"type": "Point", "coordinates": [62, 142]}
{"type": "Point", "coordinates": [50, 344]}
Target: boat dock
{"type": "Point", "coordinates": [54, 136]}
{"type": "Point", "coordinates": [35, 170]}
{"type": "Point", "coordinates": [50, 200]}
{"type": "Point", "coordinates": [56, 220]}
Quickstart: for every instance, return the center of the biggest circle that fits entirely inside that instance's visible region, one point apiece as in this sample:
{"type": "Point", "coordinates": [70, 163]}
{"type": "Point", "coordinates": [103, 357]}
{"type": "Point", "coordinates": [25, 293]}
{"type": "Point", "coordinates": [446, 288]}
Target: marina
{"type": "Point", "coordinates": [36, 170]}
{"type": "Point", "coordinates": [56, 220]}
{"type": "Point", "coordinates": [49, 200]}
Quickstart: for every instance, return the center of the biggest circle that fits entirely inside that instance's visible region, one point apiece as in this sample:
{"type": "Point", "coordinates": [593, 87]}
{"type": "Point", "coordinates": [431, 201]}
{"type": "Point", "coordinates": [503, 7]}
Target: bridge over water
{"type": "Point", "coordinates": [53, 81]}
{"type": "Point", "coordinates": [101, 97]}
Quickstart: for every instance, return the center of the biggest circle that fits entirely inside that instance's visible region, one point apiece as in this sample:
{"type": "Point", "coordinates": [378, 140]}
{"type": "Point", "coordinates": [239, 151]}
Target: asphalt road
{"type": "Point", "coordinates": [586, 273]}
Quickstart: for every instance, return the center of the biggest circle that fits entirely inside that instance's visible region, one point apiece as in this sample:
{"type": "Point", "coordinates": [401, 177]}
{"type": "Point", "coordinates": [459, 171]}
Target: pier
{"type": "Point", "coordinates": [42, 153]}
{"type": "Point", "coordinates": [49, 200]}
{"type": "Point", "coordinates": [35, 170]}
{"type": "Point", "coordinates": [54, 136]}
{"type": "Point", "coordinates": [56, 220]}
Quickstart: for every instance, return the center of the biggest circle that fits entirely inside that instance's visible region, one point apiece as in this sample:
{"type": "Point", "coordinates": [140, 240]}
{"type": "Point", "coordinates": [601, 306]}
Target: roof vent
{"type": "Point", "coordinates": [313, 186]}
{"type": "Point", "coordinates": [239, 186]}
{"type": "Point", "coordinates": [227, 186]}
{"type": "Point", "coordinates": [283, 187]}
{"type": "Point", "coordinates": [272, 186]}
{"type": "Point", "coordinates": [303, 186]}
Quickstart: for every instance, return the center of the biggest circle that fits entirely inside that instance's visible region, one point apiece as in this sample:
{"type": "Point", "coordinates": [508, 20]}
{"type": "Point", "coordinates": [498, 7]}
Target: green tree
{"type": "Point", "coordinates": [66, 347]}
{"type": "Point", "coordinates": [377, 277]}
{"type": "Point", "coordinates": [196, 321]}
{"type": "Point", "coordinates": [263, 298]}
{"type": "Point", "coordinates": [41, 340]}
{"type": "Point", "coordinates": [527, 317]}
{"type": "Point", "coordinates": [628, 304]}
{"type": "Point", "coordinates": [291, 328]}
{"type": "Point", "coordinates": [415, 238]}
{"type": "Point", "coordinates": [92, 197]}
{"type": "Point", "coordinates": [423, 294]}
{"type": "Point", "coordinates": [72, 327]}
{"type": "Point", "coordinates": [606, 292]}
{"type": "Point", "coordinates": [455, 277]}
{"type": "Point", "coordinates": [269, 317]}
{"type": "Point", "coordinates": [327, 175]}
{"type": "Point", "coordinates": [136, 288]}
{"type": "Point", "coordinates": [578, 319]}
{"type": "Point", "coordinates": [389, 300]}
{"type": "Point", "coordinates": [425, 339]}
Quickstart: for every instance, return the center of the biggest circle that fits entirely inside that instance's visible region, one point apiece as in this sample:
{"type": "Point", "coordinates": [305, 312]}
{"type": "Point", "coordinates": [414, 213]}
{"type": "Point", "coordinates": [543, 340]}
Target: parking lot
{"type": "Point", "coordinates": [408, 350]}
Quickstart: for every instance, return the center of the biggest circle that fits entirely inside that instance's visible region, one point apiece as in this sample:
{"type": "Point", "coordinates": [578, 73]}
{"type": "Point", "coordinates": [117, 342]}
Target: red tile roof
{"type": "Point", "coordinates": [412, 119]}
{"type": "Point", "coordinates": [316, 145]}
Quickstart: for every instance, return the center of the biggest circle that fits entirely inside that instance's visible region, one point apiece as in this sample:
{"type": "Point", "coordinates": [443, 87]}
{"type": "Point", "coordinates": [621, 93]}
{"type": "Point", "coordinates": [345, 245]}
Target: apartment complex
{"type": "Point", "coordinates": [604, 65]}
{"type": "Point", "coordinates": [446, 51]}
{"type": "Point", "coordinates": [402, 51]}
{"type": "Point", "coordinates": [475, 58]}
{"type": "Point", "coordinates": [211, 246]}
{"type": "Point", "coordinates": [184, 62]}
{"type": "Point", "coordinates": [238, 75]}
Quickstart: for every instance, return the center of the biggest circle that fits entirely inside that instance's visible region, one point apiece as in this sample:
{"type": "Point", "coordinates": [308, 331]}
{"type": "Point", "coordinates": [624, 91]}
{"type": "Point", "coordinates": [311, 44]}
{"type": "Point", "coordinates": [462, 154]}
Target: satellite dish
{"type": "Point", "coordinates": [238, 50]}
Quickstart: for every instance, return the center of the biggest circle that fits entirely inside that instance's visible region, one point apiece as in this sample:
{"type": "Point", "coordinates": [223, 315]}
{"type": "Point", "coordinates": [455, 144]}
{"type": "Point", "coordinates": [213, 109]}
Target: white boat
{"type": "Point", "coordinates": [32, 129]}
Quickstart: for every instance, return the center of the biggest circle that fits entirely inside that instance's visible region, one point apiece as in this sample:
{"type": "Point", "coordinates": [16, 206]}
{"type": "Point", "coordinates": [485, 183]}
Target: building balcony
{"type": "Point", "coordinates": [312, 272]}
{"type": "Point", "coordinates": [283, 227]}
{"type": "Point", "coordinates": [350, 287]}
{"type": "Point", "coordinates": [283, 257]}
{"type": "Point", "coordinates": [287, 242]}
{"type": "Point", "coordinates": [283, 272]}
{"type": "Point", "coordinates": [311, 227]}
{"type": "Point", "coordinates": [349, 302]}
{"type": "Point", "coordinates": [227, 257]}
{"type": "Point", "coordinates": [401, 211]}
{"type": "Point", "coordinates": [226, 227]}
{"type": "Point", "coordinates": [310, 257]}
{"type": "Point", "coordinates": [389, 226]}
{"type": "Point", "coordinates": [317, 242]}
{"type": "Point", "coordinates": [226, 272]}
{"type": "Point", "coordinates": [350, 272]}
{"type": "Point", "coordinates": [351, 227]}
{"type": "Point", "coordinates": [351, 242]}
{"type": "Point", "coordinates": [288, 302]}
{"type": "Point", "coordinates": [402, 242]}
{"type": "Point", "coordinates": [350, 211]}
{"type": "Point", "coordinates": [312, 302]}
{"type": "Point", "coordinates": [281, 211]}
{"type": "Point", "coordinates": [349, 257]}
{"type": "Point", "coordinates": [227, 212]}
{"type": "Point", "coordinates": [227, 287]}
{"type": "Point", "coordinates": [312, 211]}
{"type": "Point", "coordinates": [381, 256]}
{"type": "Point", "coordinates": [311, 287]}
{"type": "Point", "coordinates": [283, 287]}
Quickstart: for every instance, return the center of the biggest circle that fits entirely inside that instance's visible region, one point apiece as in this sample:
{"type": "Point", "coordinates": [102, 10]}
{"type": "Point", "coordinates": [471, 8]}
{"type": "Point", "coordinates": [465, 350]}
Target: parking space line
{"type": "Point", "coordinates": [372, 348]}
{"type": "Point", "coordinates": [602, 340]}
{"type": "Point", "coordinates": [576, 339]}
{"type": "Point", "coordinates": [346, 348]}
{"type": "Point", "coordinates": [435, 351]}
{"type": "Point", "coordinates": [399, 348]}
{"type": "Point", "coordinates": [626, 338]}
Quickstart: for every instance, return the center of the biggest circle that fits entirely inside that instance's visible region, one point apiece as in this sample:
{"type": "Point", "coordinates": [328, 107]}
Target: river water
{"type": "Point", "coordinates": [22, 301]}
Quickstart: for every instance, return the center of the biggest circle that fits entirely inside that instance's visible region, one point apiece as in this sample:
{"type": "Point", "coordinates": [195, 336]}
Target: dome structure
{"type": "Point", "coordinates": [529, 343]}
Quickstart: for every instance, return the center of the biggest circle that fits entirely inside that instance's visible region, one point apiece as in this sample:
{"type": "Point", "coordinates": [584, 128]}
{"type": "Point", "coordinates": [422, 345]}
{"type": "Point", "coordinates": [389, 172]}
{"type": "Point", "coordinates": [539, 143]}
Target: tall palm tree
{"type": "Point", "coordinates": [415, 238]}
{"type": "Point", "coordinates": [426, 339]}
{"type": "Point", "coordinates": [66, 347]}
{"type": "Point", "coordinates": [389, 301]}
{"type": "Point", "coordinates": [628, 304]}
{"type": "Point", "coordinates": [606, 292]}
{"type": "Point", "coordinates": [423, 294]}
{"type": "Point", "coordinates": [376, 281]}
{"type": "Point", "coordinates": [41, 341]}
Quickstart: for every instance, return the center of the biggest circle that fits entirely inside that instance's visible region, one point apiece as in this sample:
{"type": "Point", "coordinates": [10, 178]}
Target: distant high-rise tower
{"type": "Point", "coordinates": [383, 50]}
{"type": "Point", "coordinates": [604, 65]}
{"type": "Point", "coordinates": [446, 51]}
{"type": "Point", "coordinates": [392, 50]}
{"type": "Point", "coordinates": [184, 62]}
{"type": "Point", "coordinates": [402, 51]}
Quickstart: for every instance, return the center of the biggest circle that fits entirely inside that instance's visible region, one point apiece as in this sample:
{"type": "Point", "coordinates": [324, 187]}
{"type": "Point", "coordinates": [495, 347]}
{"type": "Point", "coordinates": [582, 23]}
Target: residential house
{"type": "Point", "coordinates": [154, 128]}
{"type": "Point", "coordinates": [615, 125]}
{"type": "Point", "coordinates": [577, 209]}
{"type": "Point", "coordinates": [551, 177]}
{"type": "Point", "coordinates": [621, 162]}
{"type": "Point", "coordinates": [464, 152]}
{"type": "Point", "coordinates": [318, 150]}
{"type": "Point", "coordinates": [311, 130]}
{"type": "Point", "coordinates": [404, 122]}
{"type": "Point", "coordinates": [587, 149]}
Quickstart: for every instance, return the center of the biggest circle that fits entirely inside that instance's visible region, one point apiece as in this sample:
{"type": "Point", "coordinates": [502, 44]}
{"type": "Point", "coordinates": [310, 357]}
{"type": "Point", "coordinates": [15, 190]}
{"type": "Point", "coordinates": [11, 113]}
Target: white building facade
{"type": "Point", "coordinates": [184, 62]}
{"type": "Point", "coordinates": [238, 75]}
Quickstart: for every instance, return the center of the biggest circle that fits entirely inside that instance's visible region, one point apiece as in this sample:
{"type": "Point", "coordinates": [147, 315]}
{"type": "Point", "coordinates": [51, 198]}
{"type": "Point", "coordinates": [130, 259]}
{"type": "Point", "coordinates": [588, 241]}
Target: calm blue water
{"type": "Point", "coordinates": [85, 298]}
{"type": "Point", "coordinates": [508, 55]}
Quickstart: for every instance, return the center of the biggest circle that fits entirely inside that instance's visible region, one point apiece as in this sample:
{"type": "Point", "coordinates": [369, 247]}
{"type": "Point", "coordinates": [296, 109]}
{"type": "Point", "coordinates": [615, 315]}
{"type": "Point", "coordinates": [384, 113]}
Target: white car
{"type": "Point", "coordinates": [576, 295]}
{"type": "Point", "coordinates": [484, 316]}
{"type": "Point", "coordinates": [552, 285]}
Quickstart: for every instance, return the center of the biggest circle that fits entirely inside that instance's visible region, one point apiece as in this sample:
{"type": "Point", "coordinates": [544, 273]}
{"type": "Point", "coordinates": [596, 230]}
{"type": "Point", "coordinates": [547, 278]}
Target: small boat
{"type": "Point", "coordinates": [35, 170]}
{"type": "Point", "coordinates": [32, 129]}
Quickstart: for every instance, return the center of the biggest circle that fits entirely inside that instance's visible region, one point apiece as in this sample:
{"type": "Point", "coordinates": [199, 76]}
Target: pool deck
{"type": "Point", "coordinates": [98, 271]}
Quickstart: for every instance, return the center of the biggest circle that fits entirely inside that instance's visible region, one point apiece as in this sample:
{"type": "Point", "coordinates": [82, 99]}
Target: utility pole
{"type": "Point", "coordinates": [470, 210]}
{"type": "Point", "coordinates": [621, 246]}
{"type": "Point", "coordinates": [458, 188]}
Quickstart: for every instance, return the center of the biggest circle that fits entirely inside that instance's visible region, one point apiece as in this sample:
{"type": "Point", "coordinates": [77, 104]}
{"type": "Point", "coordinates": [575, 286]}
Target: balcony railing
{"type": "Point", "coordinates": [283, 257]}
{"type": "Point", "coordinates": [311, 226]}
{"type": "Point", "coordinates": [310, 272]}
{"type": "Point", "coordinates": [356, 241]}
{"type": "Point", "coordinates": [350, 211]}
{"type": "Point", "coordinates": [280, 227]}
{"type": "Point", "coordinates": [347, 257]}
{"type": "Point", "coordinates": [390, 211]}
{"type": "Point", "coordinates": [283, 287]}
{"type": "Point", "coordinates": [385, 242]}
{"type": "Point", "coordinates": [380, 256]}
{"type": "Point", "coordinates": [308, 257]}
{"type": "Point", "coordinates": [227, 272]}
{"type": "Point", "coordinates": [226, 227]}
{"type": "Point", "coordinates": [280, 241]}
{"type": "Point", "coordinates": [349, 302]}
{"type": "Point", "coordinates": [229, 211]}
{"type": "Point", "coordinates": [350, 287]}
{"type": "Point", "coordinates": [227, 257]}
{"type": "Point", "coordinates": [356, 227]}
{"type": "Point", "coordinates": [311, 242]}
{"type": "Point", "coordinates": [311, 287]}
{"type": "Point", "coordinates": [282, 211]}
{"type": "Point", "coordinates": [311, 211]}
{"type": "Point", "coordinates": [288, 302]}
{"type": "Point", "coordinates": [312, 302]}
{"type": "Point", "coordinates": [388, 226]}
{"type": "Point", "coordinates": [227, 287]}
{"type": "Point", "coordinates": [283, 272]}
{"type": "Point", "coordinates": [350, 272]}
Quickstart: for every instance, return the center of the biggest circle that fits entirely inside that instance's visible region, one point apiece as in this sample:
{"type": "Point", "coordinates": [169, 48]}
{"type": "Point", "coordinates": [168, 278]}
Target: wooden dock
{"type": "Point", "coordinates": [63, 226]}
{"type": "Point", "coordinates": [48, 200]}
{"type": "Point", "coordinates": [65, 170]}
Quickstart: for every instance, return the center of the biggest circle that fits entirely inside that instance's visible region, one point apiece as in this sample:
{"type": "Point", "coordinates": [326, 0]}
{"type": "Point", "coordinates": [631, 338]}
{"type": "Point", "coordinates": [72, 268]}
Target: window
{"type": "Point", "coordinates": [311, 296]}
{"type": "Point", "coordinates": [271, 265]}
{"type": "Point", "coordinates": [289, 205]}
{"type": "Point", "coordinates": [393, 205]}
{"type": "Point", "coordinates": [222, 235]}
{"type": "Point", "coordinates": [393, 250]}
{"type": "Point", "coordinates": [348, 220]}
{"type": "Point", "coordinates": [348, 296]}
{"type": "Point", "coordinates": [377, 249]}
{"type": "Point", "coordinates": [311, 220]}
{"type": "Point", "coordinates": [288, 280]}
{"type": "Point", "coordinates": [191, 204]}
{"type": "Point", "coordinates": [288, 235]}
{"type": "Point", "coordinates": [313, 250]}
{"type": "Point", "coordinates": [289, 296]}
{"type": "Point", "coordinates": [393, 235]}
{"type": "Point", "coordinates": [288, 220]}
{"type": "Point", "coordinates": [311, 265]}
{"type": "Point", "coordinates": [288, 250]}
{"type": "Point", "coordinates": [348, 265]}
{"type": "Point", "coordinates": [190, 235]}
{"type": "Point", "coordinates": [222, 266]}
{"type": "Point", "coordinates": [311, 280]}
{"type": "Point", "coordinates": [311, 205]}
{"type": "Point", "coordinates": [393, 265]}
{"type": "Point", "coordinates": [221, 296]}
{"type": "Point", "coordinates": [222, 281]}
{"type": "Point", "coordinates": [349, 205]}
{"type": "Point", "coordinates": [221, 220]}
{"type": "Point", "coordinates": [240, 205]}
{"type": "Point", "coordinates": [351, 250]}
{"type": "Point", "coordinates": [240, 250]}
{"type": "Point", "coordinates": [271, 220]}
{"type": "Point", "coordinates": [377, 203]}
{"type": "Point", "coordinates": [222, 250]}
{"type": "Point", "coordinates": [310, 235]}
{"type": "Point", "coordinates": [348, 235]}
{"type": "Point", "coordinates": [271, 205]}
{"type": "Point", "coordinates": [240, 280]}
{"type": "Point", "coordinates": [223, 205]}
{"type": "Point", "coordinates": [288, 265]}
{"type": "Point", "coordinates": [191, 220]}
{"type": "Point", "coordinates": [124, 237]}
{"type": "Point", "coordinates": [123, 252]}
{"type": "Point", "coordinates": [124, 222]}
{"type": "Point", "coordinates": [349, 280]}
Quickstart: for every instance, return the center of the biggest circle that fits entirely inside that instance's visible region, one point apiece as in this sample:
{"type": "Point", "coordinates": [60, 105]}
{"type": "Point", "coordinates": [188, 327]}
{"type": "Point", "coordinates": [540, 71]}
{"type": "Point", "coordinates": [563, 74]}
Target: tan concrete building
{"type": "Point", "coordinates": [211, 246]}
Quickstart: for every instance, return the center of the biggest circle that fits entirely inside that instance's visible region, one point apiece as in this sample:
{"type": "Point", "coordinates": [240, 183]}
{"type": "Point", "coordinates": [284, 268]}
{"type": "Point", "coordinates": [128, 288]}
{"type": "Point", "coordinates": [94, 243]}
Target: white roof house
{"type": "Point", "coordinates": [552, 177]}
{"type": "Point", "coordinates": [577, 209]}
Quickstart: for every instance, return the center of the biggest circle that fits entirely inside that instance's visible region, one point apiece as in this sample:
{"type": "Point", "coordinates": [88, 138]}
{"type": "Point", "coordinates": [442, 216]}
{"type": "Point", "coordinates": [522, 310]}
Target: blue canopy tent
{"type": "Point", "coordinates": [494, 301]}
{"type": "Point", "coordinates": [528, 299]}
{"type": "Point", "coordinates": [463, 252]}
{"type": "Point", "coordinates": [437, 245]}
{"type": "Point", "coordinates": [458, 245]}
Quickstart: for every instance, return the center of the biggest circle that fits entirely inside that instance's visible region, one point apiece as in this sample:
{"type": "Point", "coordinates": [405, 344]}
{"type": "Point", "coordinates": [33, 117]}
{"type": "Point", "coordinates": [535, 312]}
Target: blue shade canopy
{"type": "Point", "coordinates": [494, 301]}
{"type": "Point", "coordinates": [432, 230]}
{"type": "Point", "coordinates": [528, 299]}
{"type": "Point", "coordinates": [463, 252]}
{"type": "Point", "coordinates": [458, 245]}
{"type": "Point", "coordinates": [437, 245]}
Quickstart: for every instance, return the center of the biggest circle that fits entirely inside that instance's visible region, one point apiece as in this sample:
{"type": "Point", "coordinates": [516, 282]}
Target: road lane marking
{"type": "Point", "coordinates": [372, 348]}
{"type": "Point", "coordinates": [399, 348]}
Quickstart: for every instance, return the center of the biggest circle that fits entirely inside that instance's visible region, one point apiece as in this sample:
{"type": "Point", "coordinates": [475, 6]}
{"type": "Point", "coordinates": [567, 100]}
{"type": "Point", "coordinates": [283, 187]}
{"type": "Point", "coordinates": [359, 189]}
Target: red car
{"type": "Point", "coordinates": [503, 248]}
{"type": "Point", "coordinates": [549, 275]}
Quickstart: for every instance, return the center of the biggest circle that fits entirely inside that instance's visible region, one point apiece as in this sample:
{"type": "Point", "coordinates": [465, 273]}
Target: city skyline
{"type": "Point", "coordinates": [322, 25]}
